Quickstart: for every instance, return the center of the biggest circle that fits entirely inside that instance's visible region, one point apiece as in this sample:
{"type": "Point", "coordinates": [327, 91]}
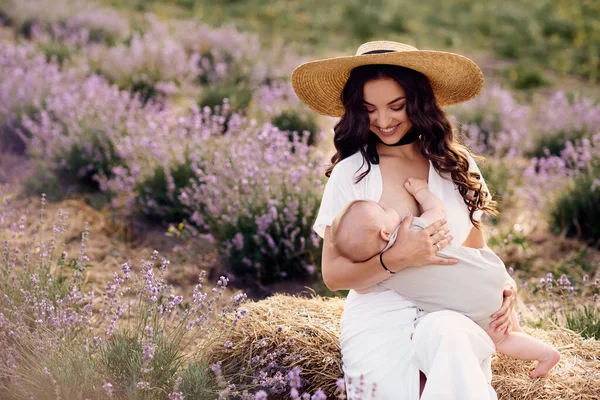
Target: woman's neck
{"type": "Point", "coordinates": [410, 151]}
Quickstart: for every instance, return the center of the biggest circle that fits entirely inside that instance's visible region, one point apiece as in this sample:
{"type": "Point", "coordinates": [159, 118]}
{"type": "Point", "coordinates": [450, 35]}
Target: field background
{"type": "Point", "coordinates": [170, 125]}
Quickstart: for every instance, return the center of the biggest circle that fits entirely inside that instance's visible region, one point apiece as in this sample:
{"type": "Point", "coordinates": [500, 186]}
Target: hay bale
{"type": "Point", "coordinates": [312, 327]}
{"type": "Point", "coordinates": [307, 329]}
{"type": "Point", "coordinates": [576, 376]}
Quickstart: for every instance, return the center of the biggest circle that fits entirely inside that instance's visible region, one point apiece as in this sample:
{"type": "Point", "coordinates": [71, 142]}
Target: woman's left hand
{"type": "Point", "coordinates": [502, 318]}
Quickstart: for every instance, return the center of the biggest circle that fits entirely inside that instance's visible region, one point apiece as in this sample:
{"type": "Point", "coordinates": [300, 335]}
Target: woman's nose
{"type": "Point", "coordinates": [383, 119]}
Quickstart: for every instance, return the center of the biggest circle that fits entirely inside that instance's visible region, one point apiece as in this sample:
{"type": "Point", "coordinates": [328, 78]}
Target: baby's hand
{"type": "Point", "coordinates": [413, 185]}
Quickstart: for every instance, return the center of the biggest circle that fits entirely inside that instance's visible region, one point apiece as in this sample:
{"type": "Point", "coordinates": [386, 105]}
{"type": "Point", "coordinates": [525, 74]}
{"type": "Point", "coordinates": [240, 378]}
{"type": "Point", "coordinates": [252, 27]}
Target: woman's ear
{"type": "Point", "coordinates": [385, 235]}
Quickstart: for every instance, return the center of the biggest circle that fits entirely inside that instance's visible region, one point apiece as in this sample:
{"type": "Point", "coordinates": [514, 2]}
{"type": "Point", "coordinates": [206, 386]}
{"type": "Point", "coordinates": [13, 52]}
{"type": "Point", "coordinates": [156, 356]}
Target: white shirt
{"type": "Point", "coordinates": [341, 189]}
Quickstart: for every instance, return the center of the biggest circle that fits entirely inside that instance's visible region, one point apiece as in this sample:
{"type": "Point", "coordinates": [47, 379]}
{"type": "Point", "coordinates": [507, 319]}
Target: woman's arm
{"type": "Point", "coordinates": [476, 239]}
{"type": "Point", "coordinates": [412, 249]}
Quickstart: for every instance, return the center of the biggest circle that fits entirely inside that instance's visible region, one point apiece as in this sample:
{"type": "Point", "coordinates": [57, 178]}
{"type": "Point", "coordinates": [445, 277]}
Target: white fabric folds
{"type": "Point", "coordinates": [472, 287]}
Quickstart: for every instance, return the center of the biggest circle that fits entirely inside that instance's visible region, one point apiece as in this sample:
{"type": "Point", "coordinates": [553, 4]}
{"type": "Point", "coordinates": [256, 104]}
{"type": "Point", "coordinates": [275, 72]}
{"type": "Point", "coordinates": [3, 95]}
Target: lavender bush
{"type": "Point", "coordinates": [51, 324]}
{"type": "Point", "coordinates": [150, 64]}
{"type": "Point", "coordinates": [577, 210]}
{"type": "Point", "coordinates": [562, 118]}
{"type": "Point", "coordinates": [227, 55]}
{"type": "Point", "coordinates": [494, 123]}
{"type": "Point", "coordinates": [570, 183]}
{"type": "Point", "coordinates": [276, 103]}
{"type": "Point", "coordinates": [565, 302]}
{"type": "Point", "coordinates": [77, 132]}
{"type": "Point", "coordinates": [260, 193]}
{"type": "Point", "coordinates": [255, 191]}
{"type": "Point", "coordinates": [73, 21]}
{"type": "Point", "coordinates": [28, 80]}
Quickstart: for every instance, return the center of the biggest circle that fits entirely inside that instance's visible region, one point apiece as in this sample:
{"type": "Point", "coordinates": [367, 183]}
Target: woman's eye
{"type": "Point", "coordinates": [399, 108]}
{"type": "Point", "coordinates": [369, 111]}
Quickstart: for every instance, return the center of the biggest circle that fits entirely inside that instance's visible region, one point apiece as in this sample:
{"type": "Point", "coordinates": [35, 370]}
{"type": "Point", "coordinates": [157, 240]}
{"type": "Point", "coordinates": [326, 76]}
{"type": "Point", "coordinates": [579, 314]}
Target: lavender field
{"type": "Point", "coordinates": [158, 184]}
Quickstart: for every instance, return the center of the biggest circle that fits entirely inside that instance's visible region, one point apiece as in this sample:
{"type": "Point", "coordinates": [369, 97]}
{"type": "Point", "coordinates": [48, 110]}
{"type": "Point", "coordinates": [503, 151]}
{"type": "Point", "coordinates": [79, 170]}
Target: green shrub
{"type": "Point", "coordinates": [13, 135]}
{"type": "Point", "coordinates": [585, 321]}
{"type": "Point", "coordinates": [239, 96]}
{"type": "Point", "coordinates": [56, 50]}
{"type": "Point", "coordinates": [363, 21]}
{"type": "Point", "coordinates": [81, 164]}
{"type": "Point", "coordinates": [577, 209]}
{"type": "Point", "coordinates": [145, 90]}
{"type": "Point", "coordinates": [527, 76]}
{"type": "Point", "coordinates": [44, 181]}
{"type": "Point", "coordinates": [157, 200]}
{"type": "Point", "coordinates": [274, 260]}
{"type": "Point", "coordinates": [197, 381]}
{"type": "Point", "coordinates": [122, 357]}
{"type": "Point", "coordinates": [292, 121]}
{"type": "Point", "coordinates": [554, 142]}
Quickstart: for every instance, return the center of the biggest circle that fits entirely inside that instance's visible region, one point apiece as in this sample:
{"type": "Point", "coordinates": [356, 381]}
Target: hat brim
{"type": "Point", "coordinates": [453, 78]}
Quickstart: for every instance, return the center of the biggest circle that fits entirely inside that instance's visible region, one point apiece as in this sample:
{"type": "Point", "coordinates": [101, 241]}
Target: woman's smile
{"type": "Point", "coordinates": [389, 131]}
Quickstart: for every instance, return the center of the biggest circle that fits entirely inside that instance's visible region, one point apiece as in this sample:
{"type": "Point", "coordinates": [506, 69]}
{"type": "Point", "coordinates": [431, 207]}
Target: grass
{"type": "Point", "coordinates": [585, 321]}
{"type": "Point", "coordinates": [556, 34]}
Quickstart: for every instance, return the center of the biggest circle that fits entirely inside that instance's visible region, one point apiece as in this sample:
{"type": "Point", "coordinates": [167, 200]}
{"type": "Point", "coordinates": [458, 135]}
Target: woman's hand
{"type": "Point", "coordinates": [502, 318]}
{"type": "Point", "coordinates": [415, 249]}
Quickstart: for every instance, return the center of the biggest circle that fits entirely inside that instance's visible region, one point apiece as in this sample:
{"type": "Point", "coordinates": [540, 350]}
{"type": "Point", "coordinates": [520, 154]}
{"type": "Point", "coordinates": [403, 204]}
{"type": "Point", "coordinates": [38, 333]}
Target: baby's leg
{"type": "Point", "coordinates": [433, 208]}
{"type": "Point", "coordinates": [524, 347]}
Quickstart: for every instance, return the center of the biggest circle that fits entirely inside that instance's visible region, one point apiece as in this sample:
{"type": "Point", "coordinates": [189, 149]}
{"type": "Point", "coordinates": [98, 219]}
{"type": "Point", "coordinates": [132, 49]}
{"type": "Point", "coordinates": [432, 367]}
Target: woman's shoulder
{"type": "Point", "coordinates": [350, 167]}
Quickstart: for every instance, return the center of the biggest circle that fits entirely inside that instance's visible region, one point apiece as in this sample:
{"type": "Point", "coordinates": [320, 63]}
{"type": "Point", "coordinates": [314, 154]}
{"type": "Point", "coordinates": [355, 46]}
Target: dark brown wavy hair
{"type": "Point", "coordinates": [439, 143]}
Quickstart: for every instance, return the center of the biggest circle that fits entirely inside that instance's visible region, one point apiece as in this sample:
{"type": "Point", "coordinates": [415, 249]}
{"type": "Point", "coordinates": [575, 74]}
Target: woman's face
{"type": "Point", "coordinates": [385, 103]}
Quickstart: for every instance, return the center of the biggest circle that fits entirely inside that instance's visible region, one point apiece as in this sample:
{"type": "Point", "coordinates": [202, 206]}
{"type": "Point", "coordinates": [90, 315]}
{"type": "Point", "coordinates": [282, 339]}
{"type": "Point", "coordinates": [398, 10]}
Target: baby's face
{"type": "Point", "coordinates": [386, 216]}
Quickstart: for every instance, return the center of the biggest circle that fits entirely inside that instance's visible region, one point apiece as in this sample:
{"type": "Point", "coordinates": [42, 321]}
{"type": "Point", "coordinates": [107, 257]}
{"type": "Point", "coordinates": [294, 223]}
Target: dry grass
{"type": "Point", "coordinates": [544, 251]}
{"type": "Point", "coordinates": [111, 242]}
{"type": "Point", "coordinates": [314, 326]}
{"type": "Point", "coordinates": [576, 377]}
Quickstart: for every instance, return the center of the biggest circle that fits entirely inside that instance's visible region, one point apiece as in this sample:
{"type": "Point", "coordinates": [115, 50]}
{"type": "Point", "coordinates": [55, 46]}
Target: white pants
{"type": "Point", "coordinates": [385, 341]}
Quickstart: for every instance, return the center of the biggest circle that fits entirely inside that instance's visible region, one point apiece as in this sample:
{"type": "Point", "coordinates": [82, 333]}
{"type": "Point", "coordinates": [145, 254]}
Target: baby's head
{"type": "Point", "coordinates": [362, 229]}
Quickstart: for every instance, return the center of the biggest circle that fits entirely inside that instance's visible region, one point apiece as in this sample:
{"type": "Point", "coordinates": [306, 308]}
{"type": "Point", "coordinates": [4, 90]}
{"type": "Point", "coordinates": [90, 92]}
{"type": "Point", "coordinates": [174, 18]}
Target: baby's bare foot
{"type": "Point", "coordinates": [545, 363]}
{"type": "Point", "coordinates": [413, 185]}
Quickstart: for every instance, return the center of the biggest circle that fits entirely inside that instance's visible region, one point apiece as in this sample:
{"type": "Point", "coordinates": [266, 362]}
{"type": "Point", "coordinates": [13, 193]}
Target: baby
{"type": "Point", "coordinates": [472, 287]}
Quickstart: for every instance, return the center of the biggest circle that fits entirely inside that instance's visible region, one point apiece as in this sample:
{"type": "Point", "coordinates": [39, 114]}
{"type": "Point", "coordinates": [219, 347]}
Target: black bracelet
{"type": "Point", "coordinates": [383, 265]}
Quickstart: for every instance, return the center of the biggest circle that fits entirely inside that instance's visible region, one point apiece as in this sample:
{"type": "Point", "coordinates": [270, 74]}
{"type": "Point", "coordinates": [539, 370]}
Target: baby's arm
{"type": "Point", "coordinates": [433, 208]}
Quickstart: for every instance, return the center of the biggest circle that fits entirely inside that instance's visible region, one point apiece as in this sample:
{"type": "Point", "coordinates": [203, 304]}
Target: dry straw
{"type": "Point", "coordinates": [313, 327]}
{"type": "Point", "coordinates": [453, 78]}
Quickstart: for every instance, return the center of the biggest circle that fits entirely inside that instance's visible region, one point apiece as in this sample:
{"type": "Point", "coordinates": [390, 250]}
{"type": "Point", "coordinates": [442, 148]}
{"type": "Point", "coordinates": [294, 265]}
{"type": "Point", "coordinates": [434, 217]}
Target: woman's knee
{"type": "Point", "coordinates": [446, 323]}
{"type": "Point", "coordinates": [453, 329]}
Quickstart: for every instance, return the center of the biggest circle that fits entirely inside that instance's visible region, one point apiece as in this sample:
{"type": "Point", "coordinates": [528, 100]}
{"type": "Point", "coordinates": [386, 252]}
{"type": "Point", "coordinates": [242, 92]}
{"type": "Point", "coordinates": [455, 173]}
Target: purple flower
{"type": "Point", "coordinates": [318, 395]}
{"type": "Point", "coordinates": [107, 387]}
{"type": "Point", "coordinates": [260, 395]}
{"type": "Point", "coordinates": [564, 281]}
{"type": "Point", "coordinates": [149, 351]}
{"type": "Point", "coordinates": [294, 377]}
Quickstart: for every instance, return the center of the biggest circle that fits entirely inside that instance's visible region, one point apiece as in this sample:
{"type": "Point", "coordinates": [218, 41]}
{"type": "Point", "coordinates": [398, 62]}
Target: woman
{"type": "Point", "coordinates": [392, 128]}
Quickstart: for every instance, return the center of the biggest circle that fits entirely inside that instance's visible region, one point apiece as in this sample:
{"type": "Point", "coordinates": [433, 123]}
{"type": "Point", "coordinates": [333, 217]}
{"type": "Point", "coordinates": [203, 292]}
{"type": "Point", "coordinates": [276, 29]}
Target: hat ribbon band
{"type": "Point", "coordinates": [378, 52]}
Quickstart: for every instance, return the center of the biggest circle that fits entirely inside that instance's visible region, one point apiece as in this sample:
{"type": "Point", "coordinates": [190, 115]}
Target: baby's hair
{"type": "Point", "coordinates": [337, 221]}
{"type": "Point", "coordinates": [345, 246]}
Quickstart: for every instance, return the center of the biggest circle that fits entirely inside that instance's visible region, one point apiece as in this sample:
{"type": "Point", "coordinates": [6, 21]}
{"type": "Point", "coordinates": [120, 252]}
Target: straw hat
{"type": "Point", "coordinates": [454, 78]}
